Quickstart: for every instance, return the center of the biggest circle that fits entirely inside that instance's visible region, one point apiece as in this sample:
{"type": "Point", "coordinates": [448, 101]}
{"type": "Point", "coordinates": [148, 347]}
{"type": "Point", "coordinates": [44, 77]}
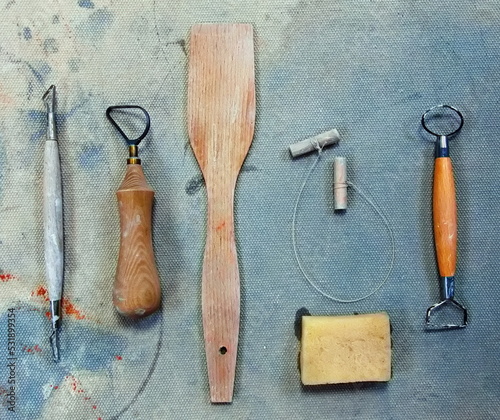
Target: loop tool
{"type": "Point", "coordinates": [136, 291]}
{"type": "Point", "coordinates": [443, 315]}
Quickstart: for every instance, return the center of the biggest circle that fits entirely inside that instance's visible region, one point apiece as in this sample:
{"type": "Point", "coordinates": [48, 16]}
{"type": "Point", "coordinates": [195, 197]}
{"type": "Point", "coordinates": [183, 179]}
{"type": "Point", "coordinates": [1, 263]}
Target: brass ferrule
{"type": "Point", "coordinates": [133, 151]}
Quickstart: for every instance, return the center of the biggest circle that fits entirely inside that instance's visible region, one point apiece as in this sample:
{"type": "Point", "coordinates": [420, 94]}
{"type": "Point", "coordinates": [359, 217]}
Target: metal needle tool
{"type": "Point", "coordinates": [53, 221]}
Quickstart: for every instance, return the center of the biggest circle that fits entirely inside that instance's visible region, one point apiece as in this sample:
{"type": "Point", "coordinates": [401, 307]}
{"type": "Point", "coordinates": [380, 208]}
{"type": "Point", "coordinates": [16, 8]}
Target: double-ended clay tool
{"type": "Point", "coordinates": [136, 291]}
{"type": "Point", "coordinates": [444, 209]}
{"type": "Point", "coordinates": [53, 221]}
{"type": "Point", "coordinates": [221, 119]}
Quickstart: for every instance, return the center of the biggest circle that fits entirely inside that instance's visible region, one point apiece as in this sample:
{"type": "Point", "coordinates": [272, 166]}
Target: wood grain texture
{"type": "Point", "coordinates": [53, 220]}
{"type": "Point", "coordinates": [444, 209]}
{"type": "Point", "coordinates": [221, 118]}
{"type": "Point", "coordinates": [136, 291]}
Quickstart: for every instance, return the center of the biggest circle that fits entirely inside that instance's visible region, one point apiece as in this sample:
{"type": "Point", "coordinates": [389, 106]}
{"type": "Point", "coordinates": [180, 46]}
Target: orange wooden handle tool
{"type": "Point", "coordinates": [444, 210]}
{"type": "Point", "coordinates": [136, 291]}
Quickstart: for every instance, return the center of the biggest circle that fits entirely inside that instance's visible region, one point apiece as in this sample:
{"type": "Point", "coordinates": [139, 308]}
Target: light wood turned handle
{"type": "Point", "coordinates": [136, 291]}
{"type": "Point", "coordinates": [444, 209]}
{"type": "Point", "coordinates": [53, 220]}
{"type": "Point", "coordinates": [220, 296]}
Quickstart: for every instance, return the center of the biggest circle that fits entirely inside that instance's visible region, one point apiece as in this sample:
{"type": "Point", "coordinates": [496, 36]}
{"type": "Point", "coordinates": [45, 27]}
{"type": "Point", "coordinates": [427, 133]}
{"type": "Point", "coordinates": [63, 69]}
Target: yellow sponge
{"type": "Point", "coordinates": [342, 349]}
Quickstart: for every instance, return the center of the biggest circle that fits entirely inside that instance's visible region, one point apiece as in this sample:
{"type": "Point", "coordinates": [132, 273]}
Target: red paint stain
{"type": "Point", "coordinates": [75, 385]}
{"type": "Point", "coordinates": [219, 227]}
{"type": "Point", "coordinates": [41, 292]}
{"type": "Point", "coordinates": [118, 357]}
{"type": "Point", "coordinates": [6, 277]}
{"type": "Point", "coordinates": [56, 387]}
{"type": "Point", "coordinates": [35, 349]}
{"type": "Point", "coordinates": [68, 308]}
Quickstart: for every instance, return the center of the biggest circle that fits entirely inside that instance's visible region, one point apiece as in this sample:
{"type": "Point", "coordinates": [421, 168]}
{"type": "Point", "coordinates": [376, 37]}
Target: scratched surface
{"type": "Point", "coordinates": [368, 68]}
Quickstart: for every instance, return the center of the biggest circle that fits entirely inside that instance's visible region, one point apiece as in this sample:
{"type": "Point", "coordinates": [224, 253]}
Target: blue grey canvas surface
{"type": "Point", "coordinates": [369, 69]}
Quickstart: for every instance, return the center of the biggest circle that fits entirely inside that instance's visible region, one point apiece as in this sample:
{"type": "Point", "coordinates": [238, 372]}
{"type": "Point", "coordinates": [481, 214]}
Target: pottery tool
{"type": "Point", "coordinates": [340, 198]}
{"type": "Point", "coordinates": [314, 143]}
{"type": "Point", "coordinates": [53, 221]}
{"type": "Point", "coordinates": [221, 118]}
{"type": "Point", "coordinates": [444, 209]}
{"type": "Point", "coordinates": [136, 291]}
{"type": "Point", "coordinates": [345, 349]}
{"type": "Point", "coordinates": [339, 183]}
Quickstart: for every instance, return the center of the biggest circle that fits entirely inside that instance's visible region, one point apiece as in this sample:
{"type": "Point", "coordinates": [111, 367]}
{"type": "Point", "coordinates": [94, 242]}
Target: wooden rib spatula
{"type": "Point", "coordinates": [221, 117]}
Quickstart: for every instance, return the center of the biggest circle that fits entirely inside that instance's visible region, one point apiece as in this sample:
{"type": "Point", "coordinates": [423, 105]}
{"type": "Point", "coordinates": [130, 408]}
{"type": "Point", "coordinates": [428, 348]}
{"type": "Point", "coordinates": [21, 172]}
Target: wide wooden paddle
{"type": "Point", "coordinates": [221, 117]}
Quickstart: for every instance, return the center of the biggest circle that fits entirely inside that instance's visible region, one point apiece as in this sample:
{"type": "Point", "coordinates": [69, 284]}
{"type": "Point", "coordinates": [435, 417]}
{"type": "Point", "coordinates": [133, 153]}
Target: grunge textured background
{"type": "Point", "coordinates": [369, 68]}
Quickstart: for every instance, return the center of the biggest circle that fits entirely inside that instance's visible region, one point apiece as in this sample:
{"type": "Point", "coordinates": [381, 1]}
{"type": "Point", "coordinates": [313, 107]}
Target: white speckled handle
{"type": "Point", "coordinates": [53, 220]}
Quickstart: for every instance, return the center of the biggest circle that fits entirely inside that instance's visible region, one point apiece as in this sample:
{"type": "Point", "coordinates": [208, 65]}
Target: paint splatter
{"type": "Point", "coordinates": [50, 45]}
{"type": "Point", "coordinates": [90, 156]}
{"type": "Point", "coordinates": [39, 118]}
{"type": "Point", "coordinates": [96, 24]}
{"type": "Point", "coordinates": [68, 308]}
{"type": "Point", "coordinates": [35, 349]}
{"type": "Point", "coordinates": [74, 65]}
{"type": "Point", "coordinates": [74, 384]}
{"type": "Point", "coordinates": [194, 184]}
{"type": "Point", "coordinates": [7, 277]}
{"type": "Point", "coordinates": [118, 357]}
{"type": "Point", "coordinates": [39, 372]}
{"type": "Point", "coordinates": [76, 387]}
{"type": "Point", "coordinates": [2, 168]}
{"type": "Point", "coordinates": [42, 292]}
{"type": "Point", "coordinates": [37, 136]}
{"type": "Point", "coordinates": [40, 72]}
{"type": "Point", "coordinates": [87, 4]}
{"type": "Point", "coordinates": [27, 33]}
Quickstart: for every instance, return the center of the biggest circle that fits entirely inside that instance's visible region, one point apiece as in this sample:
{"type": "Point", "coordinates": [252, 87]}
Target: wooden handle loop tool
{"type": "Point", "coordinates": [136, 291]}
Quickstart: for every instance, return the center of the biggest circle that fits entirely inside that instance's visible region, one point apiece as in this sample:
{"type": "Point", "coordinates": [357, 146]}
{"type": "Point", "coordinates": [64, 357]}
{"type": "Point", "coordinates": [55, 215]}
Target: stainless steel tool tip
{"type": "Point", "coordinates": [54, 344]}
{"type": "Point", "coordinates": [432, 323]}
{"type": "Point", "coordinates": [50, 95]}
{"type": "Point", "coordinates": [50, 101]}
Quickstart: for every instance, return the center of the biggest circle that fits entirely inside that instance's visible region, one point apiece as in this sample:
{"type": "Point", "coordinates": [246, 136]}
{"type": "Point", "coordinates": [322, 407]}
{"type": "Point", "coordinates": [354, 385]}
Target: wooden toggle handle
{"type": "Point", "coordinates": [136, 291]}
{"type": "Point", "coordinates": [444, 209]}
